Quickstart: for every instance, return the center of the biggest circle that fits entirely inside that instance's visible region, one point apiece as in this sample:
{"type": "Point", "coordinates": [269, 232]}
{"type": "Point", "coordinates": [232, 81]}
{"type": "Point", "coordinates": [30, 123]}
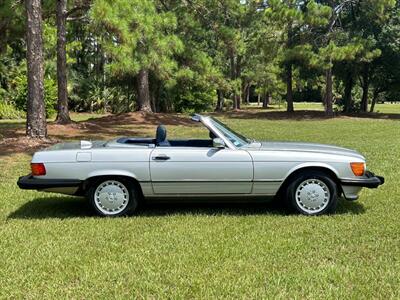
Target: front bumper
{"type": "Point", "coordinates": [29, 182]}
{"type": "Point", "coordinates": [371, 181]}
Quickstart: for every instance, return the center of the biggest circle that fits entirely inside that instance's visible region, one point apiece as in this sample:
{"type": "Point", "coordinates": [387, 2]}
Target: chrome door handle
{"type": "Point", "coordinates": [161, 157]}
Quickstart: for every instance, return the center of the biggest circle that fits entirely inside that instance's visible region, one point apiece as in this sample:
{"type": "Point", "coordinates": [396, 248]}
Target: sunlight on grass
{"type": "Point", "coordinates": [386, 108]}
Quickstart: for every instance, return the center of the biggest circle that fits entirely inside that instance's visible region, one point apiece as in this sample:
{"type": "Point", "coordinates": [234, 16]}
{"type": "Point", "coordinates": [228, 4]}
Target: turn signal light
{"type": "Point", "coordinates": [358, 168]}
{"type": "Point", "coordinates": [38, 169]}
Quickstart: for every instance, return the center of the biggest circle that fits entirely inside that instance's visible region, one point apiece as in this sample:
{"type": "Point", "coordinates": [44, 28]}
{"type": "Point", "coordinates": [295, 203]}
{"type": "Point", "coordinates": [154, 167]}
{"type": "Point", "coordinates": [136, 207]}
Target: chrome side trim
{"type": "Point", "coordinates": [188, 198]}
{"type": "Point", "coordinates": [268, 180]}
{"type": "Point", "coordinates": [222, 180]}
{"type": "Point", "coordinates": [202, 187]}
{"type": "Point", "coordinates": [201, 180]}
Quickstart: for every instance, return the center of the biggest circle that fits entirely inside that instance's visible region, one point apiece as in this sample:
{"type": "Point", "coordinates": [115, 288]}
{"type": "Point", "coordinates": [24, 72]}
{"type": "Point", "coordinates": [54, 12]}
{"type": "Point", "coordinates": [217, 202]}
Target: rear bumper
{"type": "Point", "coordinates": [29, 182]}
{"type": "Point", "coordinates": [371, 181]}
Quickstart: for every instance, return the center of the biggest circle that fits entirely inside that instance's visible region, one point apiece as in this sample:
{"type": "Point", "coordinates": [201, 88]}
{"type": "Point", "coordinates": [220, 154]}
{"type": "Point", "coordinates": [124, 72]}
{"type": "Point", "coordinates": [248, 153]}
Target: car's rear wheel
{"type": "Point", "coordinates": [113, 197]}
{"type": "Point", "coordinates": [312, 193]}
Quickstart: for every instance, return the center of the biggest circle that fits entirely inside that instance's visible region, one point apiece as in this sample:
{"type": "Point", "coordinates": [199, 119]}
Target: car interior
{"type": "Point", "coordinates": [162, 141]}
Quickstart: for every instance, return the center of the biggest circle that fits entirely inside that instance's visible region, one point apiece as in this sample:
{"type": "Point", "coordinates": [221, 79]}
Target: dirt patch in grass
{"type": "Point", "coordinates": [142, 118]}
{"type": "Point", "coordinates": [23, 144]}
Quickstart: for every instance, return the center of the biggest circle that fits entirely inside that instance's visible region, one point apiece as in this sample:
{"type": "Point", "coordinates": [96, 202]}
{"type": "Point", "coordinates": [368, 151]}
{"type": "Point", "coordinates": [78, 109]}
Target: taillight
{"type": "Point", "coordinates": [358, 168]}
{"type": "Point", "coordinates": [38, 169]}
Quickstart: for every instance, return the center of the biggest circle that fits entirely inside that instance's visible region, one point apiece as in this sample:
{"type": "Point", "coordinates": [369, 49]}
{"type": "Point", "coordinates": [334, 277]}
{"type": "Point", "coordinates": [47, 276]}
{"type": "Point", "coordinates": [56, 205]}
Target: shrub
{"type": "Point", "coordinates": [192, 97]}
{"type": "Point", "coordinates": [8, 111]}
{"type": "Point", "coordinates": [20, 94]}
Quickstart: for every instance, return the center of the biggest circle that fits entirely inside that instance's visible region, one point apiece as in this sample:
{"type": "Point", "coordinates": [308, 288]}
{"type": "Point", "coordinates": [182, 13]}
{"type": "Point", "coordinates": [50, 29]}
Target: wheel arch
{"type": "Point", "coordinates": [88, 182]}
{"type": "Point", "coordinates": [324, 168]}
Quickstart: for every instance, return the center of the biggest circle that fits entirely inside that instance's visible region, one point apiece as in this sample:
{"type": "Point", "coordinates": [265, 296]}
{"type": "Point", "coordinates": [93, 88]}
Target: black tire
{"type": "Point", "coordinates": [326, 208]}
{"type": "Point", "coordinates": [132, 201]}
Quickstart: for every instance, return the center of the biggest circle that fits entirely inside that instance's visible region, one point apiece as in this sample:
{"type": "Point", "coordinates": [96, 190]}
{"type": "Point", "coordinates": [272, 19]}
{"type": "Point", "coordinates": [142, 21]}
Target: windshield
{"type": "Point", "coordinates": [236, 138]}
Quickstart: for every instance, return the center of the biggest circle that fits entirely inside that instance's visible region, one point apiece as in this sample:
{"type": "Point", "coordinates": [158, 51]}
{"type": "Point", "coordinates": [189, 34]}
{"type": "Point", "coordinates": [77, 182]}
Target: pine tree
{"type": "Point", "coordinates": [62, 102]}
{"type": "Point", "coordinates": [349, 43]}
{"type": "Point", "coordinates": [139, 40]}
{"type": "Point", "coordinates": [297, 19]}
{"type": "Point", "coordinates": [36, 114]}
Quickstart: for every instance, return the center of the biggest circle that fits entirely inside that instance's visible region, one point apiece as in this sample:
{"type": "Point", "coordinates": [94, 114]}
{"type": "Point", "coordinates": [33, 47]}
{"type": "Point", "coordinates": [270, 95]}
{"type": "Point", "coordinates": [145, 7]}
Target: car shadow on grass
{"type": "Point", "coordinates": [53, 207]}
{"type": "Point", "coordinates": [74, 207]}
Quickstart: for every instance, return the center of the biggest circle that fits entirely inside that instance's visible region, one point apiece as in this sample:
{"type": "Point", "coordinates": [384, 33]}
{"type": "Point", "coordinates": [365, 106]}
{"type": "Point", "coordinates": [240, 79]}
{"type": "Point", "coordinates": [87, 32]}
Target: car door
{"type": "Point", "coordinates": [192, 170]}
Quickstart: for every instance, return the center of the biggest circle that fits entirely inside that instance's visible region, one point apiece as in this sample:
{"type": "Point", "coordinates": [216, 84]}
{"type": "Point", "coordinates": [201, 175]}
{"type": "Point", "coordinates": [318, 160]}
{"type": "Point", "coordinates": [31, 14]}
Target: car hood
{"type": "Point", "coordinates": [305, 147]}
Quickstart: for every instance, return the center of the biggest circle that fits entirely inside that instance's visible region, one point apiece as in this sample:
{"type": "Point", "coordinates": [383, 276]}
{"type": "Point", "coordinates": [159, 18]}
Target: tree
{"type": "Point", "coordinates": [168, 55]}
{"type": "Point", "coordinates": [326, 53]}
{"type": "Point", "coordinates": [12, 24]}
{"type": "Point", "coordinates": [223, 30]}
{"type": "Point", "coordinates": [385, 70]}
{"type": "Point", "coordinates": [62, 15]}
{"type": "Point", "coordinates": [264, 67]}
{"type": "Point", "coordinates": [296, 18]}
{"type": "Point", "coordinates": [139, 40]}
{"type": "Point", "coordinates": [36, 114]}
{"type": "Point", "coordinates": [62, 102]}
{"type": "Point", "coordinates": [350, 46]}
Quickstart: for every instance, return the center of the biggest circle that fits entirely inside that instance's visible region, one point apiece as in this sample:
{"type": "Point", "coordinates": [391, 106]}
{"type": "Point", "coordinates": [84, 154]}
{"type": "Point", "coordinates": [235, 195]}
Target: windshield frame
{"type": "Point", "coordinates": [229, 134]}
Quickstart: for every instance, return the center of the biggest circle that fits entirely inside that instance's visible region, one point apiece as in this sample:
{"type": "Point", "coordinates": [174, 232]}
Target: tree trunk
{"type": "Point", "coordinates": [266, 100]}
{"type": "Point", "coordinates": [329, 93]}
{"type": "Point", "coordinates": [236, 101]}
{"type": "Point", "coordinates": [154, 83]}
{"type": "Point", "coordinates": [374, 99]}
{"type": "Point", "coordinates": [348, 87]}
{"type": "Point", "coordinates": [127, 108]}
{"type": "Point", "coordinates": [153, 100]}
{"type": "Point", "coordinates": [238, 74]}
{"type": "Point", "coordinates": [289, 68]}
{"type": "Point", "coordinates": [289, 88]}
{"type": "Point", "coordinates": [258, 99]}
{"type": "Point", "coordinates": [243, 93]}
{"type": "Point", "coordinates": [220, 101]}
{"type": "Point", "coordinates": [234, 70]}
{"type": "Point", "coordinates": [143, 91]}
{"type": "Point", "coordinates": [62, 102]}
{"type": "Point", "coordinates": [164, 105]}
{"type": "Point", "coordinates": [365, 88]}
{"type": "Point", "coordinates": [233, 76]}
{"type": "Point", "coordinates": [246, 93]}
{"type": "Point", "coordinates": [36, 126]}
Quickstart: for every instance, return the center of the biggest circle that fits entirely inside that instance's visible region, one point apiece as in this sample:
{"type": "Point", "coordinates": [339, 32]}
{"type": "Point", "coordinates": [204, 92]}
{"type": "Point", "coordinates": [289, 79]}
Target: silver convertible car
{"type": "Point", "coordinates": [118, 175]}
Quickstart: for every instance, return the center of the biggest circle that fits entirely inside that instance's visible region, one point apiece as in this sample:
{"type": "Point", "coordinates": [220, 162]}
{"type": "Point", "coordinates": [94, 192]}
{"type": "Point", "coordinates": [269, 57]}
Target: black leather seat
{"type": "Point", "coordinates": [161, 136]}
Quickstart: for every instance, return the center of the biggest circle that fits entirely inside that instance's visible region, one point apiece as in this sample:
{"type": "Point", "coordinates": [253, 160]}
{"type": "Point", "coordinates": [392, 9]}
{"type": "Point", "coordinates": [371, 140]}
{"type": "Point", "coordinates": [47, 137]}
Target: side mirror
{"type": "Point", "coordinates": [218, 143]}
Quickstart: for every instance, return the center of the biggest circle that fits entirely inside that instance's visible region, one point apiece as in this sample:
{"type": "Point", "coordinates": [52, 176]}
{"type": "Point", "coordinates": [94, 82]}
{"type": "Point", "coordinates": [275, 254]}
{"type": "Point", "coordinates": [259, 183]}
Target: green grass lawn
{"type": "Point", "coordinates": [386, 108]}
{"type": "Point", "coordinates": [52, 246]}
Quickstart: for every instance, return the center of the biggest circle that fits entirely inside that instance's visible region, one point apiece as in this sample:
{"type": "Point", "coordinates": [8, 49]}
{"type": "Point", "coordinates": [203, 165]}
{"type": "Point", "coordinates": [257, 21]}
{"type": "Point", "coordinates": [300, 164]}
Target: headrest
{"type": "Point", "coordinates": [161, 134]}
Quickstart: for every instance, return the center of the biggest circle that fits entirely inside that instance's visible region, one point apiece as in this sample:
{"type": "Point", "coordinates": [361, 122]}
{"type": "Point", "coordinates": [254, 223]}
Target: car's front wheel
{"type": "Point", "coordinates": [312, 193]}
{"type": "Point", "coordinates": [113, 197]}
